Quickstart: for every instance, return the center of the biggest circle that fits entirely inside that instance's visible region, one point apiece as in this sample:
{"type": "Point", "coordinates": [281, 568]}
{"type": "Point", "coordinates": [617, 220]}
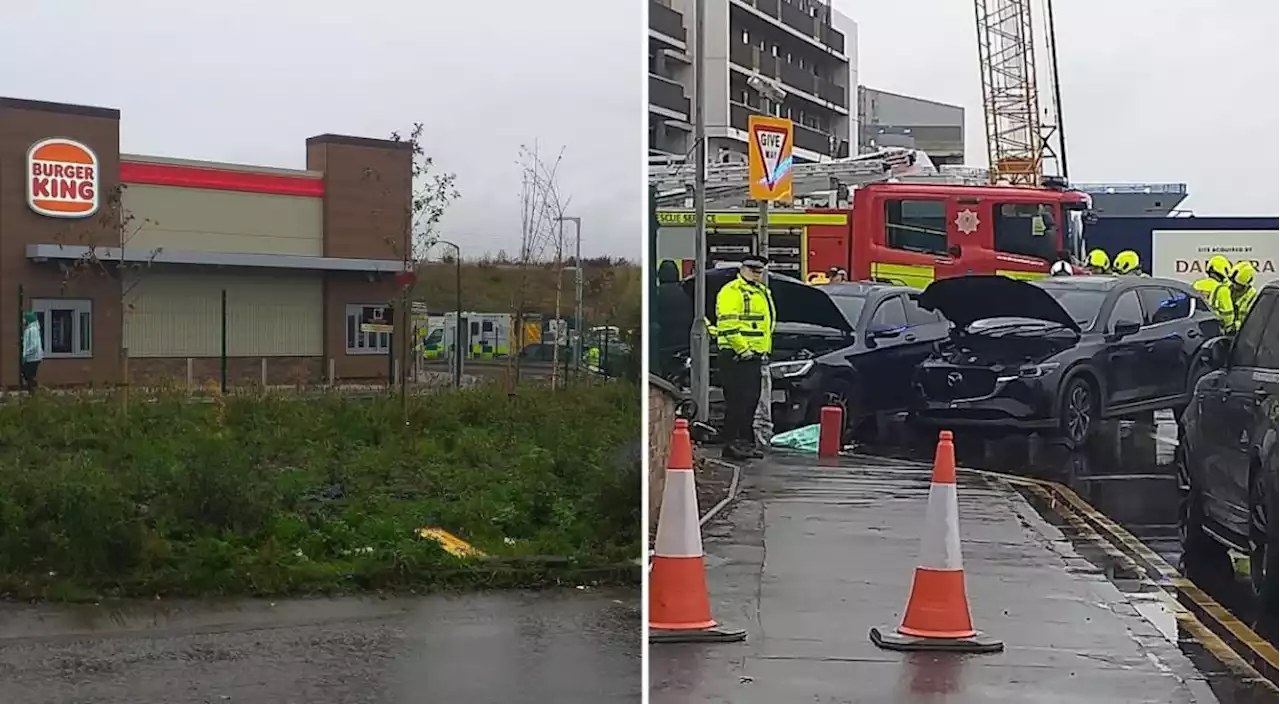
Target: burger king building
{"type": "Point", "coordinates": [166, 262]}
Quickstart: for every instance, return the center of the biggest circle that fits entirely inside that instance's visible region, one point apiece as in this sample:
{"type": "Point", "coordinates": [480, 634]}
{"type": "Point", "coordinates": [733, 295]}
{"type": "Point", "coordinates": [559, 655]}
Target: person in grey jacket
{"type": "Point", "coordinates": [32, 351]}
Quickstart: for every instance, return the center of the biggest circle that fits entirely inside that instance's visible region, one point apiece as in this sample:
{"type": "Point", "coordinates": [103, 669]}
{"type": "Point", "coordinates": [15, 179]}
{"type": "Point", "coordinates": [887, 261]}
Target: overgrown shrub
{"type": "Point", "coordinates": [275, 494]}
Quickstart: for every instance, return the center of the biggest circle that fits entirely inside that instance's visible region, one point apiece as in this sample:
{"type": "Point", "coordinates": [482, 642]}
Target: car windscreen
{"type": "Point", "coordinates": [1081, 304]}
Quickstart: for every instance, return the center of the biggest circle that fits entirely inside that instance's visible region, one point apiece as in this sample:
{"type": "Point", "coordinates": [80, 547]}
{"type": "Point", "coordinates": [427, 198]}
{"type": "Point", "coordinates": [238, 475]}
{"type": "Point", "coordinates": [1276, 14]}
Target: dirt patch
{"type": "Point", "coordinates": [713, 480]}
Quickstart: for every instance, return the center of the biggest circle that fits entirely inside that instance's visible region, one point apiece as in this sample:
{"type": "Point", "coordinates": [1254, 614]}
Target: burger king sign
{"type": "Point", "coordinates": [62, 179]}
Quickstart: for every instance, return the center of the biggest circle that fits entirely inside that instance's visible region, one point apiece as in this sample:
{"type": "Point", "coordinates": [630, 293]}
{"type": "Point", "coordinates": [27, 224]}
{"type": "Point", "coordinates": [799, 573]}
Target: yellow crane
{"type": "Point", "coordinates": [1018, 134]}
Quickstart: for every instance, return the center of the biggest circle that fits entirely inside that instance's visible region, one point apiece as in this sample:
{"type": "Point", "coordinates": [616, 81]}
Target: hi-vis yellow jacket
{"type": "Point", "coordinates": [745, 317]}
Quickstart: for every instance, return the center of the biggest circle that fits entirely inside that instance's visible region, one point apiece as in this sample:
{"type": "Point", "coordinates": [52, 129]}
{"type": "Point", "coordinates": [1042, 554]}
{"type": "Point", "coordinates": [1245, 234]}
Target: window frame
{"type": "Point", "coordinates": [81, 311]}
{"type": "Point", "coordinates": [382, 340]}
{"type": "Point", "coordinates": [893, 229]}
{"type": "Point", "coordinates": [1169, 294]}
{"type": "Point", "coordinates": [875, 312]}
{"type": "Point", "coordinates": [1111, 315]}
{"type": "Point", "coordinates": [997, 217]}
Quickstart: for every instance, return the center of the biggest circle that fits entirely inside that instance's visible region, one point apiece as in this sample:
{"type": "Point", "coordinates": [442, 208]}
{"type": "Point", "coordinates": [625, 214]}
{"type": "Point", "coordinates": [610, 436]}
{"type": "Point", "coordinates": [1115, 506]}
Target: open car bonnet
{"type": "Point", "coordinates": [965, 299]}
{"type": "Point", "coordinates": [795, 301]}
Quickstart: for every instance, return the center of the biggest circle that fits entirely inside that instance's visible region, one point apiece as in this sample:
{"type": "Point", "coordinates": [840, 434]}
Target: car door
{"type": "Point", "coordinates": [1166, 326]}
{"type": "Point", "coordinates": [884, 366]}
{"type": "Point", "coordinates": [1229, 410]}
{"type": "Point", "coordinates": [1124, 356]}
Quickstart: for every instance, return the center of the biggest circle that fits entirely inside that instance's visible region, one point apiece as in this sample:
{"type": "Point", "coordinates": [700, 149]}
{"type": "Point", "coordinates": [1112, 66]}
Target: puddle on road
{"type": "Point", "coordinates": [1126, 472]}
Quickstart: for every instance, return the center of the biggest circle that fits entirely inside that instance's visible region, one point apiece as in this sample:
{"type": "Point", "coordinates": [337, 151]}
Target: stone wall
{"type": "Point", "coordinates": [662, 419]}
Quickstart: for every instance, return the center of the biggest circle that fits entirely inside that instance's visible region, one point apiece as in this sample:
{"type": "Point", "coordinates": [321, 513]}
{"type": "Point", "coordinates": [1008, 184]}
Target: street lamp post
{"type": "Point", "coordinates": [699, 345]}
{"type": "Point", "coordinates": [457, 321]}
{"type": "Point", "coordinates": [577, 275]}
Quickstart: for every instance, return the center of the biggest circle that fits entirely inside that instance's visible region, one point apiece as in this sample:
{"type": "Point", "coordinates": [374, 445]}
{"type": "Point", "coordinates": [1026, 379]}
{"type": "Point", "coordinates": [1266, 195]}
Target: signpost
{"type": "Point", "coordinates": [770, 142]}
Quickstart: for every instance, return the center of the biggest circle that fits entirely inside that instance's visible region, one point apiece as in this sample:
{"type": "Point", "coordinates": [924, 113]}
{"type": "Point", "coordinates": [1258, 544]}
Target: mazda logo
{"type": "Point", "coordinates": [953, 378]}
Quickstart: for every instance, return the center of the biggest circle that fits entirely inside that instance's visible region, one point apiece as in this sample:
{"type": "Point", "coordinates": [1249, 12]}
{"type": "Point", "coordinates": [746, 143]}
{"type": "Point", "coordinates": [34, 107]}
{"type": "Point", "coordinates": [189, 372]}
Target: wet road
{"type": "Point", "coordinates": [811, 557]}
{"type": "Point", "coordinates": [555, 646]}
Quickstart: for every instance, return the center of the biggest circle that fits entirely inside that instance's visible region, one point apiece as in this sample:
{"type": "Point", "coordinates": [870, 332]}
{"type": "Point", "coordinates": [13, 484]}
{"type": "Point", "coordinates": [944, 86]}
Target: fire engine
{"type": "Point", "coordinates": [889, 216]}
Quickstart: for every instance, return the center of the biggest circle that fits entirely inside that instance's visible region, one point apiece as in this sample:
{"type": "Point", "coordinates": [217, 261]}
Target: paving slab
{"type": "Point", "coordinates": [811, 557]}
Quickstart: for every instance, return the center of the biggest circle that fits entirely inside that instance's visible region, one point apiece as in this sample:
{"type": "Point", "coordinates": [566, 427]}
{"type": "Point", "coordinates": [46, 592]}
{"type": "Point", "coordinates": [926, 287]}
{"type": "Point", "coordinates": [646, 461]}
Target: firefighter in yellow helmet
{"type": "Point", "coordinates": [1242, 291]}
{"type": "Point", "coordinates": [1127, 263]}
{"type": "Point", "coordinates": [1215, 272]}
{"type": "Point", "coordinates": [1098, 262]}
{"type": "Point", "coordinates": [745, 316]}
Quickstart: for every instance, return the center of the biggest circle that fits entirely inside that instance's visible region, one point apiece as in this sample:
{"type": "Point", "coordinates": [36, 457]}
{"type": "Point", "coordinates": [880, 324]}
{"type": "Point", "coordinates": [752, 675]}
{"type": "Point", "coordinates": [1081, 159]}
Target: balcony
{"type": "Point", "coordinates": [833, 39]}
{"type": "Point", "coordinates": [799, 78]}
{"type": "Point", "coordinates": [805, 137]}
{"type": "Point", "coordinates": [798, 19]}
{"type": "Point", "coordinates": [666, 21]}
{"type": "Point", "coordinates": [742, 54]}
{"type": "Point", "coordinates": [668, 95]}
{"type": "Point", "coordinates": [831, 92]}
{"type": "Point", "coordinates": [813, 140]}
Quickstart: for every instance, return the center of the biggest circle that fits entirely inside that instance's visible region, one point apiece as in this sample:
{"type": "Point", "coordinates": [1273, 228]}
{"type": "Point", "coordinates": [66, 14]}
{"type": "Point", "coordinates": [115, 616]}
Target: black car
{"type": "Point", "coordinates": [854, 348]}
{"type": "Point", "coordinates": [1226, 457]}
{"type": "Point", "coordinates": [1060, 353]}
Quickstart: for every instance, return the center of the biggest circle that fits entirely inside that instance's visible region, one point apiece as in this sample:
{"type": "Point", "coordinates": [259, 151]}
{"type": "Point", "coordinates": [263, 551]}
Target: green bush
{"type": "Point", "coordinates": [281, 494]}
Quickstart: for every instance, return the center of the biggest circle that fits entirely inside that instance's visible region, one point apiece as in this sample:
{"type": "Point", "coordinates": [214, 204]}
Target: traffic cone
{"type": "Point", "coordinates": [679, 607]}
{"type": "Point", "coordinates": [937, 615]}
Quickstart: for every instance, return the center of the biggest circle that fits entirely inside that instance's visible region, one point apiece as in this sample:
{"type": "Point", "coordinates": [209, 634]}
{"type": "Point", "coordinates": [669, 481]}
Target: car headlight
{"type": "Point", "coordinates": [1031, 371]}
{"type": "Point", "coordinates": [788, 370]}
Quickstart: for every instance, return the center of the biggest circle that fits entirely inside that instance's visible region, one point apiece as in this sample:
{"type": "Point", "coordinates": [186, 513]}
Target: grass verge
{"type": "Point", "coordinates": [273, 495]}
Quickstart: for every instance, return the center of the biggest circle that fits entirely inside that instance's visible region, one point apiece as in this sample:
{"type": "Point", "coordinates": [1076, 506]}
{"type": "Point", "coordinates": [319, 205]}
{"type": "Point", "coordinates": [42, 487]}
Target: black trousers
{"type": "Point", "coordinates": [740, 380]}
{"type": "Point", "coordinates": [28, 379]}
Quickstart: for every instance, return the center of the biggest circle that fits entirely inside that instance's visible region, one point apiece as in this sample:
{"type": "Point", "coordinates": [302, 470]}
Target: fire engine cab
{"type": "Point", "coordinates": [890, 217]}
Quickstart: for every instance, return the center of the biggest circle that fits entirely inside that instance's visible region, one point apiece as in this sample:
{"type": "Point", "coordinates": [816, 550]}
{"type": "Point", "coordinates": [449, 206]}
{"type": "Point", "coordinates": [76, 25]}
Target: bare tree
{"type": "Point", "coordinates": [540, 205]}
{"type": "Point", "coordinates": [430, 194]}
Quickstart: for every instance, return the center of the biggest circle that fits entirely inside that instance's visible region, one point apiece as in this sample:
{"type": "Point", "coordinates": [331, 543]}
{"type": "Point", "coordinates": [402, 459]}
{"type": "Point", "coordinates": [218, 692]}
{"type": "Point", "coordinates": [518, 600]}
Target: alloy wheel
{"type": "Point", "coordinates": [1259, 527]}
{"type": "Point", "coordinates": [1079, 412]}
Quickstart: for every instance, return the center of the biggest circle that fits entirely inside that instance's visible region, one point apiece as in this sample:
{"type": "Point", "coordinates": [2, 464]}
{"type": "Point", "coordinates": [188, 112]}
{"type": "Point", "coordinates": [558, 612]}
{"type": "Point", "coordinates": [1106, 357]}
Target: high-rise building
{"type": "Point", "coordinates": [789, 58]}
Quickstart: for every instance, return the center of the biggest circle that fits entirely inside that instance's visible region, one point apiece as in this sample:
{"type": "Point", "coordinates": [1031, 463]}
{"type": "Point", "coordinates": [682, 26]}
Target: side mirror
{"type": "Point", "coordinates": [954, 250]}
{"type": "Point", "coordinates": [1125, 328]}
{"type": "Point", "coordinates": [1215, 353]}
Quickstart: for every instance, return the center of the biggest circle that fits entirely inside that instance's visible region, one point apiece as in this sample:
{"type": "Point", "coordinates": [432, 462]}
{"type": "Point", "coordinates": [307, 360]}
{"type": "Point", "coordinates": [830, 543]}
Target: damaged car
{"type": "Point", "coordinates": [1060, 354]}
{"type": "Point", "coordinates": [851, 345]}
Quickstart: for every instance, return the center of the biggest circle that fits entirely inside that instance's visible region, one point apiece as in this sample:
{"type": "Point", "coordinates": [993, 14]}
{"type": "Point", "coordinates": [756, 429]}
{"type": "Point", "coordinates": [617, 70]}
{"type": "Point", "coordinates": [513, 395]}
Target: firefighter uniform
{"type": "Point", "coordinates": [1243, 293]}
{"type": "Point", "coordinates": [745, 317]}
{"type": "Point", "coordinates": [1215, 272]}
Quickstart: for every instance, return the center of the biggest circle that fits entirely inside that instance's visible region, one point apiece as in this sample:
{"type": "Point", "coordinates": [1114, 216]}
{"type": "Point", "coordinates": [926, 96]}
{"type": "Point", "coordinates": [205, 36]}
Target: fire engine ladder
{"type": "Point", "coordinates": [729, 182]}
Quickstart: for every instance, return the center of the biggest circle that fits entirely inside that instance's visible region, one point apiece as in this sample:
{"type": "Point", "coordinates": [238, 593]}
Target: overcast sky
{"type": "Point", "coordinates": [248, 81]}
{"type": "Point", "coordinates": [1168, 90]}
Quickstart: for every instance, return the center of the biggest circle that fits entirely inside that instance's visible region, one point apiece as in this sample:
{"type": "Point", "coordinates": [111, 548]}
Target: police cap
{"type": "Point", "coordinates": [755, 261]}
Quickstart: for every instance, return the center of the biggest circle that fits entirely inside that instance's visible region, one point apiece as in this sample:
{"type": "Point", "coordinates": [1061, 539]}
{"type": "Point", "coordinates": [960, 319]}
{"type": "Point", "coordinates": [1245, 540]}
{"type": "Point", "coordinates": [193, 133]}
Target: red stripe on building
{"type": "Point", "coordinates": [148, 174]}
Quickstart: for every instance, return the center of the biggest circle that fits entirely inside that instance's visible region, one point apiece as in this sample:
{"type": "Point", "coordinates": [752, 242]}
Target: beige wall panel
{"type": "Point", "coordinates": [202, 220]}
{"type": "Point", "coordinates": [269, 313]}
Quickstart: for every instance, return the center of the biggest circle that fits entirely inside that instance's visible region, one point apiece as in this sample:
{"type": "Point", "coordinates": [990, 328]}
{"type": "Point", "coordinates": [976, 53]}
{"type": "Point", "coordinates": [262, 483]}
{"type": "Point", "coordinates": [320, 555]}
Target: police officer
{"type": "Point", "coordinates": [1127, 263]}
{"type": "Point", "coordinates": [1243, 294]}
{"type": "Point", "coordinates": [1098, 263]}
{"type": "Point", "coordinates": [745, 317]}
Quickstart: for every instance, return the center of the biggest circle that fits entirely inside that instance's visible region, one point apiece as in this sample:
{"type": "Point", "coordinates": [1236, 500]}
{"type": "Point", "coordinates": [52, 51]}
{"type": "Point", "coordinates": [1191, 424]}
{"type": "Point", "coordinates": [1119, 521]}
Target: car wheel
{"type": "Point", "coordinates": [1079, 411]}
{"type": "Point", "coordinates": [1262, 560]}
{"type": "Point", "coordinates": [1204, 560]}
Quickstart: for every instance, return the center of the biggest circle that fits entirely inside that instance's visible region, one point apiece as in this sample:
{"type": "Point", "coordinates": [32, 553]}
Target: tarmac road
{"type": "Point", "coordinates": [565, 646]}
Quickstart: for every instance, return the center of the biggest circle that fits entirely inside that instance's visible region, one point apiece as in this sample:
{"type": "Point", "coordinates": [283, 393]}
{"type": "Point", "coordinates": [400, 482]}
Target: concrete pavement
{"type": "Point", "coordinates": [812, 557]}
{"type": "Point", "coordinates": [571, 646]}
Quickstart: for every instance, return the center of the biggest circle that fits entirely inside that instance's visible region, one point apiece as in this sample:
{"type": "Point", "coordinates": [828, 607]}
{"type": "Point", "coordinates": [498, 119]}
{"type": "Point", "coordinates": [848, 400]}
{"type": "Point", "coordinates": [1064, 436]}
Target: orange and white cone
{"type": "Point", "coordinates": [937, 615]}
{"type": "Point", "coordinates": [679, 607]}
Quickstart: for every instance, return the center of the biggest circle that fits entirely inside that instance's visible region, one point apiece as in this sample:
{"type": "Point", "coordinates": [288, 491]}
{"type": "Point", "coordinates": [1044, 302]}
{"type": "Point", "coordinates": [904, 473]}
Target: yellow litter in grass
{"type": "Point", "coordinates": [451, 543]}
